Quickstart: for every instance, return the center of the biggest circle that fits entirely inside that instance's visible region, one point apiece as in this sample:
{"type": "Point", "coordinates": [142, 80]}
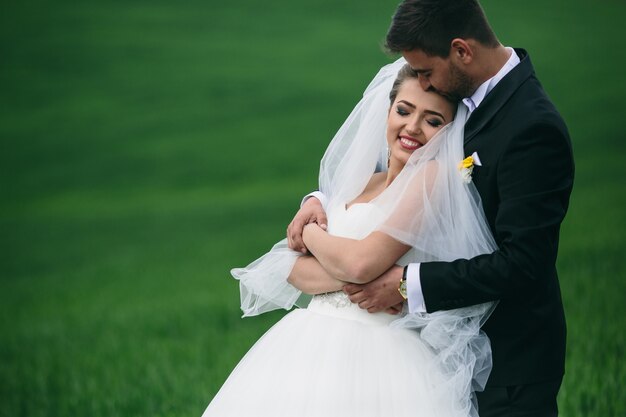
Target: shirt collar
{"type": "Point", "coordinates": [485, 88]}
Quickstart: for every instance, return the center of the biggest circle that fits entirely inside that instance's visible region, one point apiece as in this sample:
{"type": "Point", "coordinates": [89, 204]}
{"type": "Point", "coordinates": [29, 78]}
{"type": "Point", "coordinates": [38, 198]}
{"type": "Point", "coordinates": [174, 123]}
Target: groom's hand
{"type": "Point", "coordinates": [379, 295]}
{"type": "Point", "coordinates": [310, 212]}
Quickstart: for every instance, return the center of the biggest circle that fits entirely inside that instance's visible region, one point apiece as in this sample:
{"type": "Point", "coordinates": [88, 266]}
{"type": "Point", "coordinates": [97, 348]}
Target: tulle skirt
{"type": "Point", "coordinates": [334, 359]}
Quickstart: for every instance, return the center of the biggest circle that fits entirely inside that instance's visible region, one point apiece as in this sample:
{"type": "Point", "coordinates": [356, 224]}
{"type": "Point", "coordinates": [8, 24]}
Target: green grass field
{"type": "Point", "coordinates": [148, 147]}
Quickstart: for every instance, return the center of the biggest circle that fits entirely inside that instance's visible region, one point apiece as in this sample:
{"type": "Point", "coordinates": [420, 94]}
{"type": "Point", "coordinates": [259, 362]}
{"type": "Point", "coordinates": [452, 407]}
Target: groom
{"type": "Point", "coordinates": [525, 180]}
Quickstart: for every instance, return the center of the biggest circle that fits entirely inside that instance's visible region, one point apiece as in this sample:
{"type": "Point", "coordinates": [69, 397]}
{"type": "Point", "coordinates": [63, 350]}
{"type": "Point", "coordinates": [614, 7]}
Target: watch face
{"type": "Point", "coordinates": [402, 289]}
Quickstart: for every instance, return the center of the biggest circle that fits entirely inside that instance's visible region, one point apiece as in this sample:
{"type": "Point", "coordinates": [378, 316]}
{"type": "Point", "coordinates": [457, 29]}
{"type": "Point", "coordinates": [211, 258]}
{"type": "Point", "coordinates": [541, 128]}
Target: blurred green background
{"type": "Point", "coordinates": [147, 147]}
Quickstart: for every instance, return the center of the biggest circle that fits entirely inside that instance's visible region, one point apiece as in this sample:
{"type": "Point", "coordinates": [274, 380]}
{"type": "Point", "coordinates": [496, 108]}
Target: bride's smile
{"type": "Point", "coordinates": [409, 143]}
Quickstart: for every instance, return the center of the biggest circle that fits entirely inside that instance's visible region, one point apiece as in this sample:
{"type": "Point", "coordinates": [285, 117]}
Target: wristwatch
{"type": "Point", "coordinates": [402, 286]}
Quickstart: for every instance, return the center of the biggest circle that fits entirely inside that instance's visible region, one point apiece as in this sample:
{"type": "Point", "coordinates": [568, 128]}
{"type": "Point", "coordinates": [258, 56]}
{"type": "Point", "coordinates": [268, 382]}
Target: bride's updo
{"type": "Point", "coordinates": [405, 73]}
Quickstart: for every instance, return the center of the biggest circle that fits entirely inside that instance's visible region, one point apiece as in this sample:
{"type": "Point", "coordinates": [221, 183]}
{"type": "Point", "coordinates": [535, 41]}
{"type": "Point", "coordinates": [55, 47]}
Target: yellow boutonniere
{"type": "Point", "coordinates": [466, 167]}
{"type": "Point", "coordinates": [467, 163]}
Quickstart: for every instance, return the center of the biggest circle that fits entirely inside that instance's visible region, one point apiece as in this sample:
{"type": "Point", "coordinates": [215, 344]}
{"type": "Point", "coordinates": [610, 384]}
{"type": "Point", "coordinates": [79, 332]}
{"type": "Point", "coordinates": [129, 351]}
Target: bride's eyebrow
{"type": "Point", "coordinates": [407, 103]}
{"type": "Point", "coordinates": [434, 113]}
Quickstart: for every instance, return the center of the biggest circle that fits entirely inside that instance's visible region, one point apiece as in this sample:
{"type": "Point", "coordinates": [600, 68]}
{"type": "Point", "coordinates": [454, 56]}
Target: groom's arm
{"type": "Point", "coordinates": [534, 181]}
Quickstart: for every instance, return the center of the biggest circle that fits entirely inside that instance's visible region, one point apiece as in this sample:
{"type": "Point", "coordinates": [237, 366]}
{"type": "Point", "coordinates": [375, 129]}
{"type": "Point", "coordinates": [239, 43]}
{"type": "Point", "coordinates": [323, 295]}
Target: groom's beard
{"type": "Point", "coordinates": [461, 85]}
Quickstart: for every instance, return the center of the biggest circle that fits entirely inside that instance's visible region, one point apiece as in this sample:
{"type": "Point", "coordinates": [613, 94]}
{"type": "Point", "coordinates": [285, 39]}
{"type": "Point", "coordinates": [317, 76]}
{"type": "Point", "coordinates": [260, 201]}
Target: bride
{"type": "Point", "coordinates": [330, 357]}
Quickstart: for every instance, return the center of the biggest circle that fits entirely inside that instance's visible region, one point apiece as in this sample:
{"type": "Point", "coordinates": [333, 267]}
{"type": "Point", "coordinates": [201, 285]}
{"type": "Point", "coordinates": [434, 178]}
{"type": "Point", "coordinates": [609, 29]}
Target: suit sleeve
{"type": "Point", "coordinates": [534, 180]}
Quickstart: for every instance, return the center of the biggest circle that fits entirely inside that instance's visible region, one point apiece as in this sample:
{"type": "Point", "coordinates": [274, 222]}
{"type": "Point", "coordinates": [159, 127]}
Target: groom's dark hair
{"type": "Point", "coordinates": [430, 26]}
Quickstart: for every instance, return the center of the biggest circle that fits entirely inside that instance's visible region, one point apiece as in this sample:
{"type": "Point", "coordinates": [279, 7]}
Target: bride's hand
{"type": "Point", "coordinates": [310, 212]}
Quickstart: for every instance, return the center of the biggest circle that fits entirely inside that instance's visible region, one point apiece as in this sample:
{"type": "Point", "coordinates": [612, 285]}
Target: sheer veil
{"type": "Point", "coordinates": [428, 207]}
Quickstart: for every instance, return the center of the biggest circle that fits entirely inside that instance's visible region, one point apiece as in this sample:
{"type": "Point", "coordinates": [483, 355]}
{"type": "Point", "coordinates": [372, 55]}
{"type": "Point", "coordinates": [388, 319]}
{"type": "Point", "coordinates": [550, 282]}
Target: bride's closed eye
{"type": "Point", "coordinates": [402, 111]}
{"type": "Point", "coordinates": [434, 122]}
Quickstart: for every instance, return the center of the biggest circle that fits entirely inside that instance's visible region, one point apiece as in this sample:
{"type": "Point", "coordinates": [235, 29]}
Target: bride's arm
{"type": "Point", "coordinates": [362, 261]}
{"type": "Point", "coordinates": [310, 277]}
{"type": "Point", "coordinates": [350, 260]}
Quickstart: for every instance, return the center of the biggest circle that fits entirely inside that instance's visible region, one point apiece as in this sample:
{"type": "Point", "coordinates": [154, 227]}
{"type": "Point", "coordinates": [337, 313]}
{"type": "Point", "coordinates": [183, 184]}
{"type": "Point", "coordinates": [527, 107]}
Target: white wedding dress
{"type": "Point", "coordinates": [335, 359]}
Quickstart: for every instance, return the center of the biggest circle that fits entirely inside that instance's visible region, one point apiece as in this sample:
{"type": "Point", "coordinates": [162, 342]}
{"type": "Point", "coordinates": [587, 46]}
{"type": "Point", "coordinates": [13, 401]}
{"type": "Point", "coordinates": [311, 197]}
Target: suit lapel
{"type": "Point", "coordinates": [500, 94]}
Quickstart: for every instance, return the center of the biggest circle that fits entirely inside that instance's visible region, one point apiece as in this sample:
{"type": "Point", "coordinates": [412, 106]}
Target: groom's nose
{"type": "Point", "coordinates": [424, 82]}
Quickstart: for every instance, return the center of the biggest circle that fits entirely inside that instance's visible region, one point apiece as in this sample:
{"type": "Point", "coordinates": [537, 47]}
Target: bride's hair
{"type": "Point", "coordinates": [404, 74]}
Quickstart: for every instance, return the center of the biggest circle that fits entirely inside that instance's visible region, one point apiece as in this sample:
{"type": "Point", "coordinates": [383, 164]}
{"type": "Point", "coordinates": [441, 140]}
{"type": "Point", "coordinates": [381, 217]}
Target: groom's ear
{"type": "Point", "coordinates": [461, 51]}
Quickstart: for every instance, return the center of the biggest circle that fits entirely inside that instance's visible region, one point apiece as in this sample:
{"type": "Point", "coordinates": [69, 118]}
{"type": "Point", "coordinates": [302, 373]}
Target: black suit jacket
{"type": "Point", "coordinates": [524, 182]}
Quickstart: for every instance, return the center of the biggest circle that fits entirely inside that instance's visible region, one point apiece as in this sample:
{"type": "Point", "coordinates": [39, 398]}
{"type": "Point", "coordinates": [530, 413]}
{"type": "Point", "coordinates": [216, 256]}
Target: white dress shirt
{"type": "Point", "coordinates": [319, 195]}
